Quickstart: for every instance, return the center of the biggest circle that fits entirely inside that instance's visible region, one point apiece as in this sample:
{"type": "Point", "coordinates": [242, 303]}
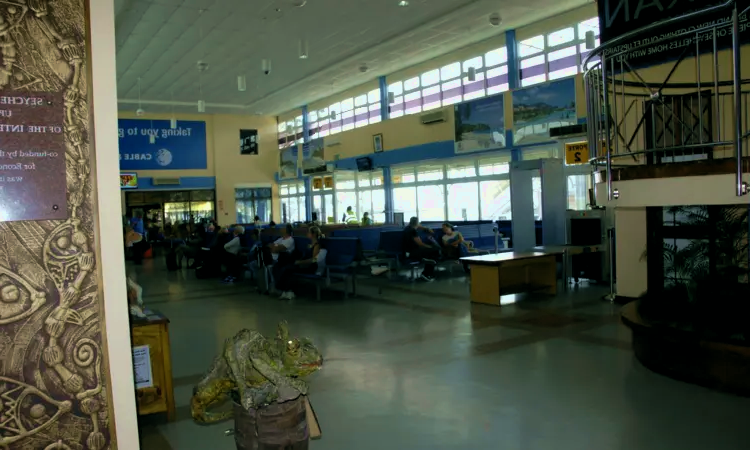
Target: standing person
{"type": "Point", "coordinates": [349, 216]}
{"type": "Point", "coordinates": [231, 258]}
{"type": "Point", "coordinates": [138, 247]}
{"type": "Point", "coordinates": [314, 264]}
{"type": "Point", "coordinates": [417, 250]}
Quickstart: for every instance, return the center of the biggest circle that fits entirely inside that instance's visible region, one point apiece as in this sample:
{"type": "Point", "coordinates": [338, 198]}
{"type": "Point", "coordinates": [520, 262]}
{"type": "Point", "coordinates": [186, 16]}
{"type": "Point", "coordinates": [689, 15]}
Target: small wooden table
{"type": "Point", "coordinates": [510, 273]}
{"type": "Point", "coordinates": [153, 331]}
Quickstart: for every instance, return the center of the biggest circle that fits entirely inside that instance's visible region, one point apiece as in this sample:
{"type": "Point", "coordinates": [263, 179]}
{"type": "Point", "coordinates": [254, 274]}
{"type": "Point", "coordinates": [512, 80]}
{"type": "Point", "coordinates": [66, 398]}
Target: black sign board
{"type": "Point", "coordinates": [33, 183]}
{"type": "Point", "coordinates": [248, 142]}
{"type": "Point", "coordinates": [618, 17]}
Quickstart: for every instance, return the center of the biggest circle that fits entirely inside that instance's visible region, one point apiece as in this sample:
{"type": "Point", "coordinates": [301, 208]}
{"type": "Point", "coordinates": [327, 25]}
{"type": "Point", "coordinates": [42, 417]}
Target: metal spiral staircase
{"type": "Point", "coordinates": [664, 112]}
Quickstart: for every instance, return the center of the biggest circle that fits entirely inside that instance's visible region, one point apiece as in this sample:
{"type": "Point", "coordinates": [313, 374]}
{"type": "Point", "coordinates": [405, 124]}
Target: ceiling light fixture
{"type": "Point", "coordinates": [303, 50]}
{"type": "Point", "coordinates": [241, 83]}
{"type": "Point", "coordinates": [403, 3]}
{"type": "Point", "coordinates": [139, 112]}
{"type": "Point", "coordinates": [173, 120]}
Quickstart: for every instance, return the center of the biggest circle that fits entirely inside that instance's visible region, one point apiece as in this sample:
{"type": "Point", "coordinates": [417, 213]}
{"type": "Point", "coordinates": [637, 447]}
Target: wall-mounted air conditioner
{"type": "Point", "coordinates": [433, 117]}
{"type": "Point", "coordinates": [332, 141]}
{"type": "Point", "coordinates": [166, 181]}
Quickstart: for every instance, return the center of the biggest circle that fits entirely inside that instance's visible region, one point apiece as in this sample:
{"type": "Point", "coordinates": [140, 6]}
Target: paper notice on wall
{"type": "Point", "coordinates": [142, 367]}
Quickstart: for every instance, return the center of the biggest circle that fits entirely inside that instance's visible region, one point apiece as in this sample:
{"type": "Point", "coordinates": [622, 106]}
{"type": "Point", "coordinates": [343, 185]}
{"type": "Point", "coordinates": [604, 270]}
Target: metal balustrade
{"type": "Point", "coordinates": [695, 107]}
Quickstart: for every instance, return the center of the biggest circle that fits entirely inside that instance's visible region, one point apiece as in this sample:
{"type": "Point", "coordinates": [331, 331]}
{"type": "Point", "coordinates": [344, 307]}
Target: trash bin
{"type": "Point", "coordinates": [280, 426]}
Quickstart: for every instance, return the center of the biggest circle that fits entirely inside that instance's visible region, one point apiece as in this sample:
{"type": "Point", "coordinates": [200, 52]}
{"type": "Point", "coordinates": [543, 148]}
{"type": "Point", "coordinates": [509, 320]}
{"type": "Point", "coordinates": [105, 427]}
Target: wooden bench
{"type": "Point", "coordinates": [500, 274]}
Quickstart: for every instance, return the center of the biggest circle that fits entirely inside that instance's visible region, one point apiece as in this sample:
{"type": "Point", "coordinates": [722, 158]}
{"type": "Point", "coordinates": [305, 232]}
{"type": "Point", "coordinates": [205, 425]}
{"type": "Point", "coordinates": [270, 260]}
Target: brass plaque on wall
{"type": "Point", "coordinates": [32, 156]}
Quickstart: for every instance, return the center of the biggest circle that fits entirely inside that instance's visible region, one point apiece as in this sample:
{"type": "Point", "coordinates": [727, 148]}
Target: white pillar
{"type": "Point", "coordinates": [111, 260]}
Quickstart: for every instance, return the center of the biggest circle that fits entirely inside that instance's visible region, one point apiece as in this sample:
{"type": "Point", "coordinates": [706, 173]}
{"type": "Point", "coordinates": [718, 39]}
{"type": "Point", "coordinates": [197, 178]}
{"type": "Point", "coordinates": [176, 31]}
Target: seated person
{"type": "Point", "coordinates": [416, 250]}
{"type": "Point", "coordinates": [230, 257]}
{"type": "Point", "coordinates": [255, 254]}
{"type": "Point", "coordinates": [314, 262]}
{"type": "Point", "coordinates": [349, 216]}
{"type": "Point", "coordinates": [280, 252]}
{"type": "Point", "coordinates": [454, 244]}
{"type": "Point", "coordinates": [366, 220]}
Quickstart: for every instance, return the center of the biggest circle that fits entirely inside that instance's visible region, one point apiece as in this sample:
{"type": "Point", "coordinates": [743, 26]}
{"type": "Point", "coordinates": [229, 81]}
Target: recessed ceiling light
{"type": "Point", "coordinates": [403, 3]}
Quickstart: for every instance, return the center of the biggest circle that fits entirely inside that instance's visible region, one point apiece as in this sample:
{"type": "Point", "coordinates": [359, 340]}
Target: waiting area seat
{"type": "Point", "coordinates": [342, 255]}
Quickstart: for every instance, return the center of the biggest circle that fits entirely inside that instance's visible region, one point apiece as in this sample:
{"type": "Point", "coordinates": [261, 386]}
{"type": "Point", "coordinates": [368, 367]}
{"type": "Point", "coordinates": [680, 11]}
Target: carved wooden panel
{"type": "Point", "coordinates": [53, 373]}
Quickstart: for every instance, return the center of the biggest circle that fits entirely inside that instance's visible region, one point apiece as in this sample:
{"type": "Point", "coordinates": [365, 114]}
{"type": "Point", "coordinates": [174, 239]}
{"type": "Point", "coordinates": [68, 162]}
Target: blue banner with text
{"type": "Point", "coordinates": [183, 147]}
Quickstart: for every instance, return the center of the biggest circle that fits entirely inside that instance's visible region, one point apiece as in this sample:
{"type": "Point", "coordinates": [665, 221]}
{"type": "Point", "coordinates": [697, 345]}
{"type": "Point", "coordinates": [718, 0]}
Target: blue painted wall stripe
{"type": "Point", "coordinates": [147, 183]}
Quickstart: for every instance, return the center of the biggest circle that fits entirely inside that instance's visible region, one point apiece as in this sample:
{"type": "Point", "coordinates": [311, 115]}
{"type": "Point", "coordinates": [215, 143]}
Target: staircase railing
{"type": "Point", "coordinates": [634, 120]}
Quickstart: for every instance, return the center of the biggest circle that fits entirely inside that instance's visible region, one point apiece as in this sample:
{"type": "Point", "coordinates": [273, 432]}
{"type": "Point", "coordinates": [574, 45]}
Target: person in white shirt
{"type": "Point", "coordinates": [231, 255]}
{"type": "Point", "coordinates": [281, 251]}
{"type": "Point", "coordinates": [315, 264]}
{"type": "Point", "coordinates": [284, 245]}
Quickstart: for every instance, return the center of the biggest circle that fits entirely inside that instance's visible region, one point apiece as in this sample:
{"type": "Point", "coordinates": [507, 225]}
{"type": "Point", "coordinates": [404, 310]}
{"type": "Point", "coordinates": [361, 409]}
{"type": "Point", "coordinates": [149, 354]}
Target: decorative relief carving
{"type": "Point", "coordinates": [52, 369]}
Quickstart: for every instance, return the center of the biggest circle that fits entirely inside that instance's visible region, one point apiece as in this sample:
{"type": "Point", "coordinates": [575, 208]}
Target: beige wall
{"type": "Point", "coordinates": [397, 133]}
{"type": "Point", "coordinates": [224, 160]}
{"type": "Point", "coordinates": [630, 242]}
{"type": "Point", "coordinates": [630, 216]}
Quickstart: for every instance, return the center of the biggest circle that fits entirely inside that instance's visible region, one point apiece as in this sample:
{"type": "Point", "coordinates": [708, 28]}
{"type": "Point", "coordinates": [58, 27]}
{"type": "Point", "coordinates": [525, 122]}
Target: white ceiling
{"type": "Point", "coordinates": [161, 42]}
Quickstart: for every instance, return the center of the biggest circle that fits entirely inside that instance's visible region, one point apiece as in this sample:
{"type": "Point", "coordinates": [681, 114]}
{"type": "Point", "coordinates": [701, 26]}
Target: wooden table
{"type": "Point", "coordinates": [510, 273]}
{"type": "Point", "coordinates": [153, 331]}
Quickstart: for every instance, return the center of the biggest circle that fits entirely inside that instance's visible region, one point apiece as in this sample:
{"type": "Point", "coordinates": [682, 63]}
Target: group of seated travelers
{"type": "Point", "coordinates": [429, 251]}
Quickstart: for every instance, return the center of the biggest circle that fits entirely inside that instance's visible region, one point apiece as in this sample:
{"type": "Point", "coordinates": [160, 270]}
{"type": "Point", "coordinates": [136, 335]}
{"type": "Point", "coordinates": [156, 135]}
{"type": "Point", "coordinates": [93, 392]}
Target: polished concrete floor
{"type": "Point", "coordinates": [417, 366]}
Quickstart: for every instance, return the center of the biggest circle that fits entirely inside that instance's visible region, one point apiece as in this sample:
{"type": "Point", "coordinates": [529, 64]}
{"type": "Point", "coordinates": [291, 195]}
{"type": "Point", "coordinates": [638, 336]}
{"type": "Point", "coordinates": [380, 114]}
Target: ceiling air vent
{"type": "Point", "coordinates": [166, 181]}
{"type": "Point", "coordinates": [434, 117]}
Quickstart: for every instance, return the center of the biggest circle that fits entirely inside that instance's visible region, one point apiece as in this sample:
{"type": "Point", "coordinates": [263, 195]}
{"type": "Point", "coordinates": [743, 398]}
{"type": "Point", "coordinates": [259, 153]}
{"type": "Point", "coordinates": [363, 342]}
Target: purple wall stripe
{"type": "Point", "coordinates": [497, 81]}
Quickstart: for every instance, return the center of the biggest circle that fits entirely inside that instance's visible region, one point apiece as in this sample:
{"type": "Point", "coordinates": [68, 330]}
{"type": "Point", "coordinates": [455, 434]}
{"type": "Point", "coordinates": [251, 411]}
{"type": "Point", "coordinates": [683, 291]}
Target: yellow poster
{"type": "Point", "coordinates": [576, 153]}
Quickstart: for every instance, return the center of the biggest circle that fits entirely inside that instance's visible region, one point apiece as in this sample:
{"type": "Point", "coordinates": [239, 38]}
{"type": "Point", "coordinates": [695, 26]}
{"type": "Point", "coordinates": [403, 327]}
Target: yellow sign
{"type": "Point", "coordinates": [328, 182]}
{"type": "Point", "coordinates": [317, 183]}
{"type": "Point", "coordinates": [576, 153]}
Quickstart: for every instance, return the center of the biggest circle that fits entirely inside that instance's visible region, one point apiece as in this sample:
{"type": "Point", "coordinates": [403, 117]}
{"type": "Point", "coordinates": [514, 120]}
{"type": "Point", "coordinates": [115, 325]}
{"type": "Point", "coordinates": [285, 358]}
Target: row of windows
{"type": "Point", "coordinates": [555, 55]}
{"type": "Point", "coordinates": [541, 58]}
{"type": "Point", "coordinates": [453, 83]}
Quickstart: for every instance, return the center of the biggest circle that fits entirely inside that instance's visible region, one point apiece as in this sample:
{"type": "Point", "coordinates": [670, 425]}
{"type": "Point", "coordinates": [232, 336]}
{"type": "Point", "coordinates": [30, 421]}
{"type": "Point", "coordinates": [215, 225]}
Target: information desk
{"type": "Point", "coordinates": [511, 273]}
{"type": "Point", "coordinates": [152, 363]}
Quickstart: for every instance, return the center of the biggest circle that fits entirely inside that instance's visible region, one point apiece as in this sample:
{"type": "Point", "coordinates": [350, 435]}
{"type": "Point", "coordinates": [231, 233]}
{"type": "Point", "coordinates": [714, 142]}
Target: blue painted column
{"type": "Point", "coordinates": [388, 186]}
{"type": "Point", "coordinates": [308, 198]}
{"type": "Point", "coordinates": [384, 113]}
{"type": "Point", "coordinates": [514, 75]}
{"type": "Point", "coordinates": [307, 180]}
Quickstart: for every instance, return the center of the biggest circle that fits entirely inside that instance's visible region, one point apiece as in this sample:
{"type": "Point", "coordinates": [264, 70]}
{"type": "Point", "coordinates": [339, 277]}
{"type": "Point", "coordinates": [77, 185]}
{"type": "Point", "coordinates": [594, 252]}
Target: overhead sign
{"type": "Point", "coordinates": [618, 17]}
{"type": "Point", "coordinates": [180, 148]}
{"type": "Point", "coordinates": [576, 153]}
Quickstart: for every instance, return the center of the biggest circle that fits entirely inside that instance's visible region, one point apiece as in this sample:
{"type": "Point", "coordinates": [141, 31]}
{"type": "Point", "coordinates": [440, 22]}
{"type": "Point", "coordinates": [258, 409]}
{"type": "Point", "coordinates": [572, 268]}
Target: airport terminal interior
{"type": "Point", "coordinates": [381, 224]}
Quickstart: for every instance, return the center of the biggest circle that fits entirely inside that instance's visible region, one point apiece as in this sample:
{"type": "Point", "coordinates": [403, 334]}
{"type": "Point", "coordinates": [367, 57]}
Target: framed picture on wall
{"type": "Point", "coordinates": [377, 143]}
{"type": "Point", "coordinates": [248, 142]}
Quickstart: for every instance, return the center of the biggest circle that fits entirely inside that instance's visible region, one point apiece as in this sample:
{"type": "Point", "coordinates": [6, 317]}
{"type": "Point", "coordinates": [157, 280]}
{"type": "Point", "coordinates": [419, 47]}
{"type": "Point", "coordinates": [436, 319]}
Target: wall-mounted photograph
{"type": "Point", "coordinates": [377, 143]}
{"type": "Point", "coordinates": [539, 108]}
{"type": "Point", "coordinates": [288, 163]}
{"type": "Point", "coordinates": [480, 124]}
{"type": "Point", "coordinates": [248, 142]}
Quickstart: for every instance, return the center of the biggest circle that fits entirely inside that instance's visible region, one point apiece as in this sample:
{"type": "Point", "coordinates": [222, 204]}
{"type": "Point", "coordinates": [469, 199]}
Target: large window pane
{"type": "Point", "coordinates": [430, 173]}
{"type": "Point", "coordinates": [495, 198]}
{"type": "Point", "coordinates": [430, 78]}
{"type": "Point", "coordinates": [560, 37]}
{"type": "Point", "coordinates": [578, 191]}
{"type": "Point", "coordinates": [450, 71]}
{"type": "Point", "coordinates": [463, 201]}
{"type": "Point", "coordinates": [536, 186]}
{"type": "Point", "coordinates": [462, 170]}
{"type": "Point", "coordinates": [431, 204]}
{"type": "Point", "coordinates": [411, 84]}
{"type": "Point", "coordinates": [343, 201]}
{"type": "Point", "coordinates": [496, 57]}
{"type": "Point", "coordinates": [531, 46]}
{"type": "Point", "coordinates": [378, 205]}
{"type": "Point", "coordinates": [405, 201]}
